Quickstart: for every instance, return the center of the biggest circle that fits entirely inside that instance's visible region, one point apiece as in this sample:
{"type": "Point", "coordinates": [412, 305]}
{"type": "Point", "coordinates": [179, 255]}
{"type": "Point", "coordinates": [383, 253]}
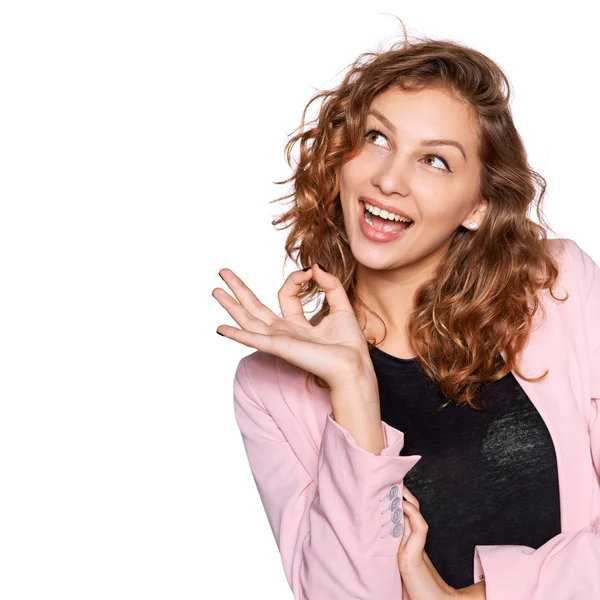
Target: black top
{"type": "Point", "coordinates": [485, 477]}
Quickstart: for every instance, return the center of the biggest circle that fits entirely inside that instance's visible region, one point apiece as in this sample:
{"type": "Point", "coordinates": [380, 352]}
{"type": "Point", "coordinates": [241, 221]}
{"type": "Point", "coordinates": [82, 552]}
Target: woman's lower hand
{"type": "Point", "coordinates": [420, 579]}
{"type": "Point", "coordinates": [335, 349]}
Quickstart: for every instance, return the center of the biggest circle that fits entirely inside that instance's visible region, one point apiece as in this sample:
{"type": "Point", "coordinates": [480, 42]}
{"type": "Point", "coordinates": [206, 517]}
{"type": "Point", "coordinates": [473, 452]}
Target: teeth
{"type": "Point", "coordinates": [384, 214]}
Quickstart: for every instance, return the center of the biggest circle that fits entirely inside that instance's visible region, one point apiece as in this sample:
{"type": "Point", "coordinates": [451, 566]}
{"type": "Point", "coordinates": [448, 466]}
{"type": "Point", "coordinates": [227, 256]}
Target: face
{"type": "Point", "coordinates": [436, 186]}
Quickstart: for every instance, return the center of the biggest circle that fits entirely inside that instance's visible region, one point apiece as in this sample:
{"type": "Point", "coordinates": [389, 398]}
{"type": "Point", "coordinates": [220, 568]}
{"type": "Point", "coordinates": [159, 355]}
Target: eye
{"type": "Point", "coordinates": [373, 131]}
{"type": "Point", "coordinates": [442, 160]}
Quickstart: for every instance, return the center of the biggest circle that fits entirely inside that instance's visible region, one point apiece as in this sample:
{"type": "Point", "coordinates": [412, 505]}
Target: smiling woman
{"type": "Point", "coordinates": [413, 190]}
{"type": "Point", "coordinates": [397, 160]}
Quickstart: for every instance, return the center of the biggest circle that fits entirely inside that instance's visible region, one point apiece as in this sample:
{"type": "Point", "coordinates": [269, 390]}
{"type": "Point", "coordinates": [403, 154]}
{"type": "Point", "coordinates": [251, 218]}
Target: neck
{"type": "Point", "coordinates": [391, 294]}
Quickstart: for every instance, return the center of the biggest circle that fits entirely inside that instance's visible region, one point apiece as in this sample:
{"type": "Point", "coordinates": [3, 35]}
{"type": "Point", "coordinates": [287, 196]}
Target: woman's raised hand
{"type": "Point", "coordinates": [334, 349]}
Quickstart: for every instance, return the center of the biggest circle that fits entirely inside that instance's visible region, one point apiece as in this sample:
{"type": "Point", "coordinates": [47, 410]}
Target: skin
{"type": "Point", "coordinates": [395, 169]}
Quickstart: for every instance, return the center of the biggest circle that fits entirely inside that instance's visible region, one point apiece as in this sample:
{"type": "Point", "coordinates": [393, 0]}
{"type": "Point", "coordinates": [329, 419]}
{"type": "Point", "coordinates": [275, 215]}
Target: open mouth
{"type": "Point", "coordinates": [384, 225]}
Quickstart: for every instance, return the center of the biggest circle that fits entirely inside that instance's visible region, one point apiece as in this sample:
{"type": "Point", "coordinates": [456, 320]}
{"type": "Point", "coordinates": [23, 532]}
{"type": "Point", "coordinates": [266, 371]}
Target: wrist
{"type": "Point", "coordinates": [355, 406]}
{"type": "Point", "coordinates": [360, 376]}
{"type": "Point", "coordinates": [475, 591]}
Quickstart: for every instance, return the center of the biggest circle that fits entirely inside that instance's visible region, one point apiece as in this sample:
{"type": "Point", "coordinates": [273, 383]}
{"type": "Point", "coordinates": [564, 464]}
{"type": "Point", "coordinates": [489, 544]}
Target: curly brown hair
{"type": "Point", "coordinates": [484, 295]}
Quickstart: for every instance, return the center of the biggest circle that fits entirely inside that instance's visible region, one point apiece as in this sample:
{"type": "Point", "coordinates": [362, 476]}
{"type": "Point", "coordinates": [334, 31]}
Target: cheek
{"type": "Point", "coordinates": [350, 176]}
{"type": "Point", "coordinates": [351, 184]}
{"type": "Point", "coordinates": [446, 217]}
{"type": "Point", "coordinates": [345, 198]}
{"type": "Point", "coordinates": [446, 205]}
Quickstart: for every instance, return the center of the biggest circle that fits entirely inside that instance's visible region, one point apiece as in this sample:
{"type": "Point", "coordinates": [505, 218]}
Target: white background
{"type": "Point", "coordinates": [139, 143]}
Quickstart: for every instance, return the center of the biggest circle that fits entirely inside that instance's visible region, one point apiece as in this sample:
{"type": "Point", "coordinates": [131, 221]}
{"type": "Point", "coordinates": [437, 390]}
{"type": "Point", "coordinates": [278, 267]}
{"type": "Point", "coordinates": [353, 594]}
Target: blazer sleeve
{"type": "Point", "coordinates": [566, 567]}
{"type": "Point", "coordinates": [336, 533]}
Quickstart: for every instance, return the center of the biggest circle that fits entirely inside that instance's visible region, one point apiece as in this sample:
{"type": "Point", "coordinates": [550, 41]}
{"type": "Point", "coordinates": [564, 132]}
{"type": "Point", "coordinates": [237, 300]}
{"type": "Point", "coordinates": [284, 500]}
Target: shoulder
{"type": "Point", "coordinates": [267, 376]}
{"type": "Point", "coordinates": [263, 367]}
{"type": "Point", "coordinates": [271, 395]}
{"type": "Point", "coordinates": [256, 367]}
{"type": "Point", "coordinates": [578, 272]}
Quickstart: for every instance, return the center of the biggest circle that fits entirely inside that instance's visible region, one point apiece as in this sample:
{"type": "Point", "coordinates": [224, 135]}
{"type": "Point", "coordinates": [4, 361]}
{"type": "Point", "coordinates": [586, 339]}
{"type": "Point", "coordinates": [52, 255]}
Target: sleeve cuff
{"type": "Point", "coordinates": [478, 574]}
{"type": "Point", "coordinates": [354, 486]}
{"type": "Point", "coordinates": [506, 570]}
{"type": "Point", "coordinates": [393, 439]}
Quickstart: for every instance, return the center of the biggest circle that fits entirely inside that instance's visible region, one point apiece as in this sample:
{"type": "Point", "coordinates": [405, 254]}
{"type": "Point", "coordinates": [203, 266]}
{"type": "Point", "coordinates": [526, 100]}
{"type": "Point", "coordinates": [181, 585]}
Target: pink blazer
{"type": "Point", "coordinates": [326, 498]}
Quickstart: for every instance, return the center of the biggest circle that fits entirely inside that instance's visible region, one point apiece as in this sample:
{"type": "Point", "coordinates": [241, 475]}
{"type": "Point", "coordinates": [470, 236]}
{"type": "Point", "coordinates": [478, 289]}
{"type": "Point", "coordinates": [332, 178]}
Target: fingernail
{"type": "Point", "coordinates": [322, 267]}
{"type": "Point", "coordinates": [220, 333]}
{"type": "Point", "coordinates": [306, 269]}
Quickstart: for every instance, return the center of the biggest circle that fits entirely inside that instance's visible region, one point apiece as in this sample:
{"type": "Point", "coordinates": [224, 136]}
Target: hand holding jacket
{"type": "Point", "coordinates": [419, 575]}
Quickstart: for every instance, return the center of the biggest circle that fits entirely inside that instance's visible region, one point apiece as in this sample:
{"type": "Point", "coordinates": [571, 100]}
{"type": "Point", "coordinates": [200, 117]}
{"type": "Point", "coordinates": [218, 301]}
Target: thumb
{"type": "Point", "coordinates": [333, 288]}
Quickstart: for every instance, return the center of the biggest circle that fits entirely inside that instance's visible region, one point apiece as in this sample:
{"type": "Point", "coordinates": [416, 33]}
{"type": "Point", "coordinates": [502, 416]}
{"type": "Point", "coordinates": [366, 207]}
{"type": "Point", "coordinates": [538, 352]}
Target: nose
{"type": "Point", "coordinates": [391, 178]}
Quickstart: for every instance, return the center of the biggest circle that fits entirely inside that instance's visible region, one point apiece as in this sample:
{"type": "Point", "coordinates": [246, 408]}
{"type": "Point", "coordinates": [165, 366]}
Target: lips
{"type": "Point", "coordinates": [373, 234]}
{"type": "Point", "coordinates": [384, 206]}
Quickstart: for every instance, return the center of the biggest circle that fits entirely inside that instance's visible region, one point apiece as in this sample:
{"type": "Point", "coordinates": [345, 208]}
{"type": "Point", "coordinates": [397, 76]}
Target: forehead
{"type": "Point", "coordinates": [428, 113]}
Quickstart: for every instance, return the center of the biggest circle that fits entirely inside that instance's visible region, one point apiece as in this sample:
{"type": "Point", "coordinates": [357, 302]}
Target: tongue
{"type": "Point", "coordinates": [387, 226]}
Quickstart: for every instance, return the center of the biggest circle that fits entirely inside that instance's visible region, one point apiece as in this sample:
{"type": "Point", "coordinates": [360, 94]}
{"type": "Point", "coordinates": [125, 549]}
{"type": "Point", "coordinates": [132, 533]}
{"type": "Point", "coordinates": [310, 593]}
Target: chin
{"type": "Point", "coordinates": [374, 260]}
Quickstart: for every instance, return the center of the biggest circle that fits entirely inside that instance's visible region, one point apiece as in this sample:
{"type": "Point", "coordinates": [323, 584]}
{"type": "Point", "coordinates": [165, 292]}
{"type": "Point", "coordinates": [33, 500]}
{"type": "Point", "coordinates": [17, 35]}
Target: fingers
{"type": "Point", "coordinates": [410, 496]}
{"type": "Point", "coordinates": [239, 314]}
{"type": "Point", "coordinates": [414, 544]}
{"type": "Point", "coordinates": [296, 351]}
{"type": "Point", "coordinates": [334, 290]}
{"type": "Point", "coordinates": [412, 555]}
{"type": "Point", "coordinates": [259, 341]}
{"type": "Point", "coordinates": [335, 293]}
{"type": "Point", "coordinates": [249, 312]}
{"type": "Point", "coordinates": [289, 302]}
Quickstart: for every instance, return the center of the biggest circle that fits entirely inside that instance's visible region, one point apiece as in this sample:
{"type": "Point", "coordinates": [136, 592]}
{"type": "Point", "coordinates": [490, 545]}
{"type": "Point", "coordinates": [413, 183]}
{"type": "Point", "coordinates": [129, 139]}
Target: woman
{"type": "Point", "coordinates": [451, 445]}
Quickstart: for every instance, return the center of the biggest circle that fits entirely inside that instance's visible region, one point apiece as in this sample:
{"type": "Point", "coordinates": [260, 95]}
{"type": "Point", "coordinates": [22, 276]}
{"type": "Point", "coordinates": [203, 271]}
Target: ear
{"type": "Point", "coordinates": [477, 215]}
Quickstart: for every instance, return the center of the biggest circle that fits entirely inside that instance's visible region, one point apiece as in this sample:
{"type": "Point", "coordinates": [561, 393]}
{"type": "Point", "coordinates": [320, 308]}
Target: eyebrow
{"type": "Point", "coordinates": [392, 127]}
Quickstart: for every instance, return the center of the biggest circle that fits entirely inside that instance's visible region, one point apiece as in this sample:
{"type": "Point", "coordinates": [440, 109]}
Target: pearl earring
{"type": "Point", "coordinates": [473, 225]}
